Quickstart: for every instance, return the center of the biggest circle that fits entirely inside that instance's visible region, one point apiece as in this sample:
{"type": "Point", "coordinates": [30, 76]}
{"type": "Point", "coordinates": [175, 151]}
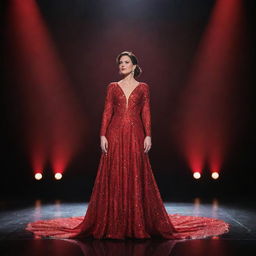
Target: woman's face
{"type": "Point", "coordinates": [125, 65]}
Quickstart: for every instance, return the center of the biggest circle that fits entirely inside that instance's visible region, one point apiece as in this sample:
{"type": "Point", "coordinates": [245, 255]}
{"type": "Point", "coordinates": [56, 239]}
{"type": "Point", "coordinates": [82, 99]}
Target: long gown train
{"type": "Point", "coordinates": [125, 200]}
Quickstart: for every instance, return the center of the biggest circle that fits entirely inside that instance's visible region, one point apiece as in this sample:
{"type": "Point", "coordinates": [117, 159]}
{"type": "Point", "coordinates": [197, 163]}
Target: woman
{"type": "Point", "coordinates": [125, 201]}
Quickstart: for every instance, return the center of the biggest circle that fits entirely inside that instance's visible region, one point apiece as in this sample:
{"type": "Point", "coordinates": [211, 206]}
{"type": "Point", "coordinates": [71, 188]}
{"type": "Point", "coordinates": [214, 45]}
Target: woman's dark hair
{"type": "Point", "coordinates": [134, 59]}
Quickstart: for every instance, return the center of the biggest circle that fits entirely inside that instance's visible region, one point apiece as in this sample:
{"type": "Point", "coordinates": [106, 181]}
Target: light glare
{"type": "Point", "coordinates": [58, 176]}
{"type": "Point", "coordinates": [197, 175]}
{"type": "Point", "coordinates": [38, 176]}
{"type": "Point", "coordinates": [215, 175]}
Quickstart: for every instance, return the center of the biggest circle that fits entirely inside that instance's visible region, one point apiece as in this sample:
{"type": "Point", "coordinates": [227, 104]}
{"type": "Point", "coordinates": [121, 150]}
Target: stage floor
{"type": "Point", "coordinates": [14, 240]}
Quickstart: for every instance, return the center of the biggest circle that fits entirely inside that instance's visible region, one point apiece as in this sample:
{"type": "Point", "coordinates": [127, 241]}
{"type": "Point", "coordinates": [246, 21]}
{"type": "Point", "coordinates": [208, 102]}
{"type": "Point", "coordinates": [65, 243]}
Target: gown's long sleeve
{"type": "Point", "coordinates": [107, 112]}
{"type": "Point", "coordinates": [146, 114]}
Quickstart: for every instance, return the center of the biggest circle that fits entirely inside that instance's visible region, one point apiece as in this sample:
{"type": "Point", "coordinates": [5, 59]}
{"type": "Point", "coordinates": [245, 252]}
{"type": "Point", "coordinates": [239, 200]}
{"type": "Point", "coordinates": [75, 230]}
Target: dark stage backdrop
{"type": "Point", "coordinates": [81, 40]}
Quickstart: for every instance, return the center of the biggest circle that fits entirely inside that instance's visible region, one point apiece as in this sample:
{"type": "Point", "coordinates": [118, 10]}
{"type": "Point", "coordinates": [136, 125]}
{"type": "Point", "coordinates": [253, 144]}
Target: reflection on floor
{"type": "Point", "coordinates": [14, 240]}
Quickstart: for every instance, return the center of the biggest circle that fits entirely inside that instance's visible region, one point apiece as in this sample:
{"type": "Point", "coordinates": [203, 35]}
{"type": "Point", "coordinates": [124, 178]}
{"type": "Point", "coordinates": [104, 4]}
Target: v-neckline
{"type": "Point", "coordinates": [127, 99]}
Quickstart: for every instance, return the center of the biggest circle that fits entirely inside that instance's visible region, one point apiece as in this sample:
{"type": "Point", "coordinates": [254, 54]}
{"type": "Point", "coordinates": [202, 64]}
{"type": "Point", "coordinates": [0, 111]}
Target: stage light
{"type": "Point", "coordinates": [58, 175]}
{"type": "Point", "coordinates": [215, 175]}
{"type": "Point", "coordinates": [38, 64]}
{"type": "Point", "coordinates": [197, 175]}
{"type": "Point", "coordinates": [38, 176]}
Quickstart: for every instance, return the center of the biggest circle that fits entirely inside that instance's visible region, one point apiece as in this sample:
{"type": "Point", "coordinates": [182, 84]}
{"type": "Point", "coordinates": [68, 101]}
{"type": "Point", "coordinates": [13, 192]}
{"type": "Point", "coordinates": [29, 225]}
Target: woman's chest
{"type": "Point", "coordinates": [120, 99]}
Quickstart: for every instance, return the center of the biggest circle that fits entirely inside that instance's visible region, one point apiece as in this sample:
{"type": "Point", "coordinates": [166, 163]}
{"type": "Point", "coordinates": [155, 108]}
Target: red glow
{"type": "Point", "coordinates": [53, 122]}
{"type": "Point", "coordinates": [208, 106]}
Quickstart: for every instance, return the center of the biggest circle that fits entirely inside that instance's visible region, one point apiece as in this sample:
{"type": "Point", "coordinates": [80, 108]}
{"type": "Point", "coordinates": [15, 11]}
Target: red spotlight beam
{"type": "Point", "coordinates": [208, 108]}
{"type": "Point", "coordinates": [55, 124]}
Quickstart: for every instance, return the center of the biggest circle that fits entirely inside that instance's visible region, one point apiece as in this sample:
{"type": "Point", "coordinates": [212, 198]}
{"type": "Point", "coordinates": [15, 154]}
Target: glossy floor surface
{"type": "Point", "coordinates": [14, 240]}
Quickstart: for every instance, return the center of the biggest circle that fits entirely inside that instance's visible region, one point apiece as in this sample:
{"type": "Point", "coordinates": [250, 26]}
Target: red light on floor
{"type": "Point", "coordinates": [215, 175]}
{"type": "Point", "coordinates": [58, 175]}
{"type": "Point", "coordinates": [197, 175]}
{"type": "Point", "coordinates": [38, 176]}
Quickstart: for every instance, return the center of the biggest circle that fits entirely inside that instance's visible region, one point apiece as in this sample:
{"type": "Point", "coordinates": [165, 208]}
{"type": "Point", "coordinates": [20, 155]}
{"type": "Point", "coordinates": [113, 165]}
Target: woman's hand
{"type": "Point", "coordinates": [104, 144]}
{"type": "Point", "coordinates": [147, 144]}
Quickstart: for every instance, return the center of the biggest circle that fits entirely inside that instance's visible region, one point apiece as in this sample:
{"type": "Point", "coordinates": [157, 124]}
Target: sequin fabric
{"type": "Point", "coordinates": [125, 201]}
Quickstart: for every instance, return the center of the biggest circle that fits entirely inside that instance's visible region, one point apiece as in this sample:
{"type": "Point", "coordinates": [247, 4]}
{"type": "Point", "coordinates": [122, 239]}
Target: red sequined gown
{"type": "Point", "coordinates": [125, 200]}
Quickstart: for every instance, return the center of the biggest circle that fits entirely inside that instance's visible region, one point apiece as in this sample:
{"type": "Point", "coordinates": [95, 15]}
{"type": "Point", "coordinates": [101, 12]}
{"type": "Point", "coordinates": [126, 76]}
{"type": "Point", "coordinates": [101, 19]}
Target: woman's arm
{"type": "Point", "coordinates": [108, 111]}
{"type": "Point", "coordinates": [146, 114]}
